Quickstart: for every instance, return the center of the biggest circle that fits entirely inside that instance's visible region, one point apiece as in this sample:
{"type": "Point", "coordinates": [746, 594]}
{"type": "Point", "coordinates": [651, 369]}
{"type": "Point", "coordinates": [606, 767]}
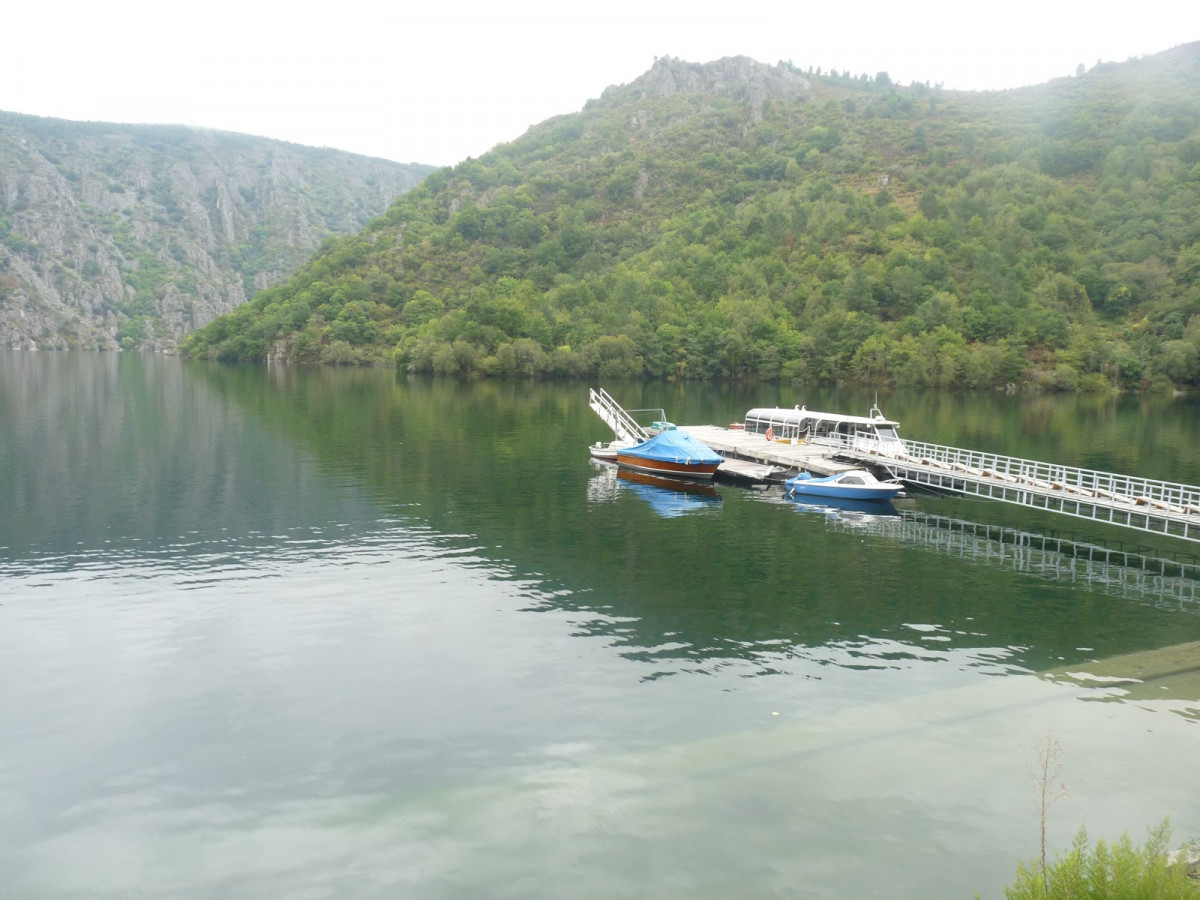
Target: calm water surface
{"type": "Point", "coordinates": [313, 633]}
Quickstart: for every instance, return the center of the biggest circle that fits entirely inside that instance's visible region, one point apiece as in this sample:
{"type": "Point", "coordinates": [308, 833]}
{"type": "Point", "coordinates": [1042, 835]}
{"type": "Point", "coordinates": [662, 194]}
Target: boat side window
{"type": "Point", "coordinates": [852, 479]}
{"type": "Point", "coordinates": [782, 422]}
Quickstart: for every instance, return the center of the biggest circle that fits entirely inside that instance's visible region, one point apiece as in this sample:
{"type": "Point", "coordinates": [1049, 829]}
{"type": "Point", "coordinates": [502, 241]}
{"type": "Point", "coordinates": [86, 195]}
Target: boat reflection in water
{"type": "Point", "coordinates": [669, 497]}
{"type": "Point", "coordinates": [845, 510]}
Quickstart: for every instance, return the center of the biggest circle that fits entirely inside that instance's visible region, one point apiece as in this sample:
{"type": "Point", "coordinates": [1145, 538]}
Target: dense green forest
{"type": "Point", "coordinates": [737, 220]}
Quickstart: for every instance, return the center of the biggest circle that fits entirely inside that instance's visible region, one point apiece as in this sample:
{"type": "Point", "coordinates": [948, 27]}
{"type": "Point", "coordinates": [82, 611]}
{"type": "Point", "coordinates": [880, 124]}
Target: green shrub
{"type": "Point", "coordinates": [1117, 872]}
{"type": "Point", "coordinates": [340, 353]}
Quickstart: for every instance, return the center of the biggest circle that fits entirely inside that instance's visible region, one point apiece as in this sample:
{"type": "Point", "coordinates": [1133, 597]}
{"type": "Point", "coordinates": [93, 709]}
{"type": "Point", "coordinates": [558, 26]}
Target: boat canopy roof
{"type": "Point", "coordinates": [783, 414]}
{"type": "Point", "coordinates": [674, 446]}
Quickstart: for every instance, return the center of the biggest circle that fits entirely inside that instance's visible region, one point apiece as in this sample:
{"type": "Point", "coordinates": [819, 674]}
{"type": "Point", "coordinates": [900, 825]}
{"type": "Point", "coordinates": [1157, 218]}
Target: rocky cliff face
{"type": "Point", "coordinates": [738, 77]}
{"type": "Point", "coordinates": [133, 236]}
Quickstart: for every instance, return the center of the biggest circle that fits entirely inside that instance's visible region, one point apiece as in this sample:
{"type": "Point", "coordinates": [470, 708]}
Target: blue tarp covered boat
{"type": "Point", "coordinates": [675, 453]}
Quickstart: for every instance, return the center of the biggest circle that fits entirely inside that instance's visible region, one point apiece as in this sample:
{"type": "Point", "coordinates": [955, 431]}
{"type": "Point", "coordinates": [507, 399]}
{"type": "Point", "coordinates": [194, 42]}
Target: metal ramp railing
{"type": "Point", "coordinates": [1145, 504]}
{"type": "Point", "coordinates": [624, 426]}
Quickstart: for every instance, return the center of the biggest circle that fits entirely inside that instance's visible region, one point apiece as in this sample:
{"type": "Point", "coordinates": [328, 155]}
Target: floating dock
{"type": "Point", "coordinates": [775, 460]}
{"type": "Point", "coordinates": [1143, 504]}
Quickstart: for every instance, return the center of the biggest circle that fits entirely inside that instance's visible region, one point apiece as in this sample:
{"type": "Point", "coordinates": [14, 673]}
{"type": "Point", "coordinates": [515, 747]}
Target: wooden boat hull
{"type": "Point", "coordinates": [667, 468]}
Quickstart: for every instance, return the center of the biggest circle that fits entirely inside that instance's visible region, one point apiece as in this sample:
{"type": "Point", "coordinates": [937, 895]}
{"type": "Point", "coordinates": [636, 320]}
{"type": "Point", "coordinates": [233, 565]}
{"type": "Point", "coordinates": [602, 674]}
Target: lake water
{"type": "Point", "coordinates": [315, 633]}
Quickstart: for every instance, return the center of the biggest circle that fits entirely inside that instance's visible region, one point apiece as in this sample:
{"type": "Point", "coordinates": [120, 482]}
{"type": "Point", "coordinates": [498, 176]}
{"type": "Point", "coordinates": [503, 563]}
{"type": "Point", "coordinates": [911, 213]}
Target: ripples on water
{"type": "Point", "coordinates": [267, 651]}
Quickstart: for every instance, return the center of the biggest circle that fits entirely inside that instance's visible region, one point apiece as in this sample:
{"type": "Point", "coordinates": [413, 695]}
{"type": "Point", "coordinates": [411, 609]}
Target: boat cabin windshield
{"type": "Point", "coordinates": [887, 432]}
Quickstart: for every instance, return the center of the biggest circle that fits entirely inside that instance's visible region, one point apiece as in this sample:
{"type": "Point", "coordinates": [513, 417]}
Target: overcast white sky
{"type": "Point", "coordinates": [436, 82]}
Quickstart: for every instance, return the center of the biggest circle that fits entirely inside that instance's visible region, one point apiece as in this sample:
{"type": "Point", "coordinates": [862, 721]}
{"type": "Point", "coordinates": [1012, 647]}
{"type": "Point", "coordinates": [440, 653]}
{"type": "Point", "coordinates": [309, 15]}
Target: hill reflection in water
{"type": "Point", "coordinates": [349, 633]}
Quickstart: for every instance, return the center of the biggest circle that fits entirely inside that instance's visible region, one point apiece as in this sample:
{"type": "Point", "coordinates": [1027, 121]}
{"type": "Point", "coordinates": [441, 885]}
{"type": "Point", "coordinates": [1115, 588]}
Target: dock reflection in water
{"type": "Point", "coordinates": [1156, 581]}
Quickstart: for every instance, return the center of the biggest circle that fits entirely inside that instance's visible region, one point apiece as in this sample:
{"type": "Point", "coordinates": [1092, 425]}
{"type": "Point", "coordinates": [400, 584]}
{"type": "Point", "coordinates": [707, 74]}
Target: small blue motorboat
{"type": "Point", "coordinates": [853, 484]}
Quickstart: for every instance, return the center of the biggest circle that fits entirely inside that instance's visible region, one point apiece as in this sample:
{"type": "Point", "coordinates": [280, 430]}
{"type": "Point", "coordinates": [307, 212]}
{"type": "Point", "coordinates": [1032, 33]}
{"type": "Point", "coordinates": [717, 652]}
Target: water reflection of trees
{"type": "Point", "coordinates": [503, 466]}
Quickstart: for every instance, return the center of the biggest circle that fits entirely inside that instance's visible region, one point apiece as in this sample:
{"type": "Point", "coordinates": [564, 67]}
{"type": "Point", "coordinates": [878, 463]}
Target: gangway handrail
{"type": "Point", "coordinates": [624, 426]}
{"type": "Point", "coordinates": [1029, 473]}
{"type": "Point", "coordinates": [1044, 476]}
{"type": "Point", "coordinates": [1145, 504]}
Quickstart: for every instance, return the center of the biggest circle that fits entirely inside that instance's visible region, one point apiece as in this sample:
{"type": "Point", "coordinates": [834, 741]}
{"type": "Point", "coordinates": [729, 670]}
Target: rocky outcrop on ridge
{"type": "Point", "coordinates": [132, 236]}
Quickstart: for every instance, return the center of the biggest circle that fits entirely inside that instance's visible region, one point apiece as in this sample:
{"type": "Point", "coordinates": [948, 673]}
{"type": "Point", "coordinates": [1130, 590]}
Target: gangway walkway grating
{"type": "Point", "coordinates": [1144, 504]}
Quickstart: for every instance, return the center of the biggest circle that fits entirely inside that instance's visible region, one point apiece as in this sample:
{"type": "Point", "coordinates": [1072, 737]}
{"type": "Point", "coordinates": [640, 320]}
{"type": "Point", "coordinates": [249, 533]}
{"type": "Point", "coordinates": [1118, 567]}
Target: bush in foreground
{"type": "Point", "coordinates": [1120, 872]}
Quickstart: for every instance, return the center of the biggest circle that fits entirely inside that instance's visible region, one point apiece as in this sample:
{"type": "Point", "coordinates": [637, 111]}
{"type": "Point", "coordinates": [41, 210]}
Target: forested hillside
{"type": "Point", "coordinates": [742, 220]}
{"type": "Point", "coordinates": [134, 235]}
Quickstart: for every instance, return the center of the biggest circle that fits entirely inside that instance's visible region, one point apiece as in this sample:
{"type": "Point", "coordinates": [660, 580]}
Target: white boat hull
{"type": "Point", "coordinates": [855, 484]}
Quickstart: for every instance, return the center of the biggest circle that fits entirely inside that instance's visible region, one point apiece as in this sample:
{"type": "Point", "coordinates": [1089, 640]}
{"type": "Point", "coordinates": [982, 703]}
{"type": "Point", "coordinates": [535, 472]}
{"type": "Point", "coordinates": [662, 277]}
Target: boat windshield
{"type": "Point", "coordinates": [887, 432]}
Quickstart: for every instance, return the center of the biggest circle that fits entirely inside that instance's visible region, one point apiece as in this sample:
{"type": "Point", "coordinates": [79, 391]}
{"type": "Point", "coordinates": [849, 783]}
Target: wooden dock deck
{"type": "Point", "coordinates": [749, 448]}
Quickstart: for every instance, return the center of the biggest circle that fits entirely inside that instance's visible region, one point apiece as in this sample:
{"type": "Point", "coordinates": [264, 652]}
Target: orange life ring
{"type": "Point", "coordinates": [770, 433]}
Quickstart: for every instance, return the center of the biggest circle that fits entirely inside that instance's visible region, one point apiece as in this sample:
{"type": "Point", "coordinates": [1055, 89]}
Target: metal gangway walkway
{"type": "Point", "coordinates": [624, 426]}
{"type": "Point", "coordinates": [1145, 504]}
